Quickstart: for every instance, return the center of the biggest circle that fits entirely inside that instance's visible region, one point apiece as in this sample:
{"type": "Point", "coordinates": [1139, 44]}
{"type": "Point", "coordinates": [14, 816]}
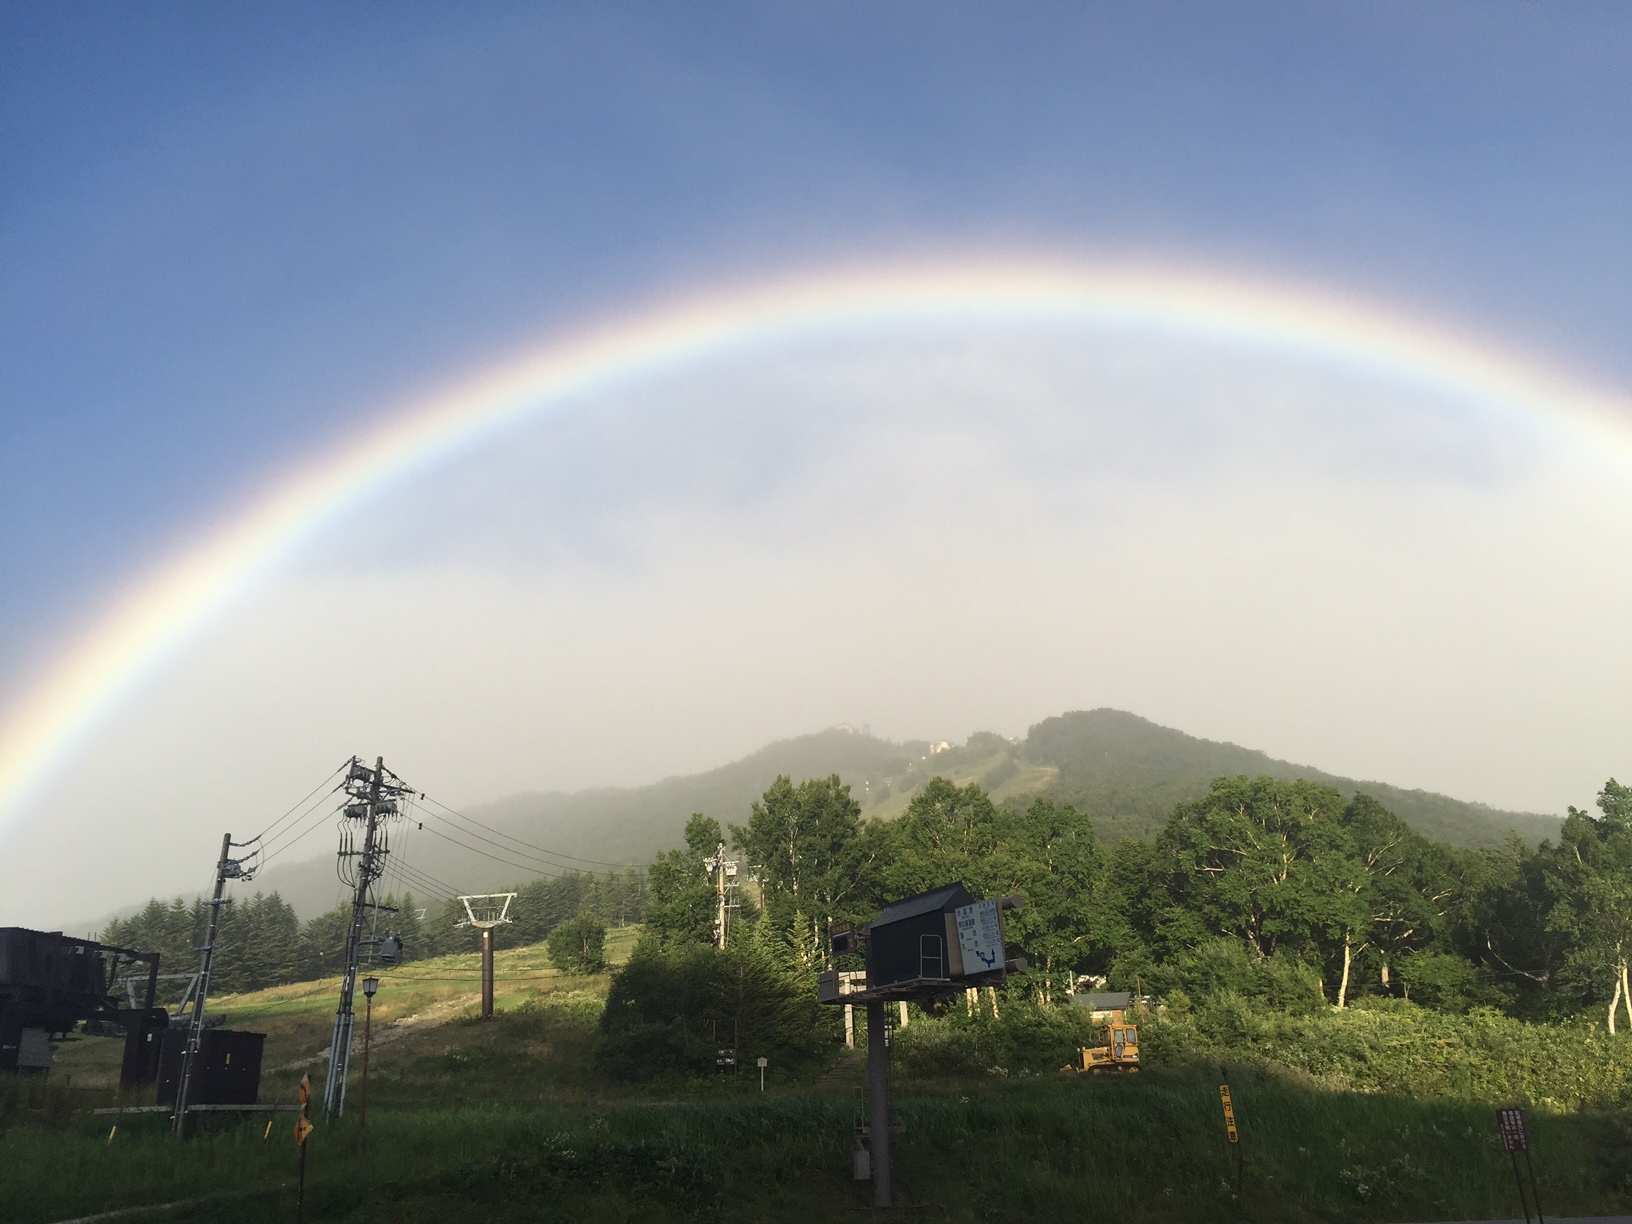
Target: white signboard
{"type": "Point", "coordinates": [980, 937]}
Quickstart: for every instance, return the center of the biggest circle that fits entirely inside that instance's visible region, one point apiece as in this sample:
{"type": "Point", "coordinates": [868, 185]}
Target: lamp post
{"type": "Point", "coordinates": [370, 985]}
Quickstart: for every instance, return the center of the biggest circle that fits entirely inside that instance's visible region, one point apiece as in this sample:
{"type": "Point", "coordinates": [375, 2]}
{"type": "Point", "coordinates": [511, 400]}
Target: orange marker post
{"type": "Point", "coordinates": [303, 1128]}
{"type": "Point", "coordinates": [1231, 1131]}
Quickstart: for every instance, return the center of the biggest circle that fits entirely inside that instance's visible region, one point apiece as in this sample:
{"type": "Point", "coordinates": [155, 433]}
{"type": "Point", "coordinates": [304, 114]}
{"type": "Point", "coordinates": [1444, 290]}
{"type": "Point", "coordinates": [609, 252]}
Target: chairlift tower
{"type": "Point", "coordinates": [373, 794]}
{"type": "Point", "coordinates": [484, 912]}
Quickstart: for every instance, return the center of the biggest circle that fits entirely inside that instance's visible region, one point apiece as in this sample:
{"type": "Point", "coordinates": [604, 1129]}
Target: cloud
{"type": "Point", "coordinates": [931, 530]}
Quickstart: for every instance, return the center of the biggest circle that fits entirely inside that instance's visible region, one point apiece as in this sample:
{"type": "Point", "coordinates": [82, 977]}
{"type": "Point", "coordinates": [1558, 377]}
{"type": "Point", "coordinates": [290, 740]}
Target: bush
{"type": "Point", "coordinates": [1030, 1037]}
{"type": "Point", "coordinates": [1281, 981]}
{"type": "Point", "coordinates": [1392, 1046]}
{"type": "Point", "coordinates": [670, 1010]}
{"type": "Point", "coordinates": [1448, 983]}
{"type": "Point", "coordinates": [578, 945]}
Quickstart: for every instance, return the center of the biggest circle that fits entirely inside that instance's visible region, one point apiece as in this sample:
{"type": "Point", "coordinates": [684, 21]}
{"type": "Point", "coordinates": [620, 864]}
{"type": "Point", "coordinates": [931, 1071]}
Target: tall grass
{"type": "Point", "coordinates": [1137, 1148]}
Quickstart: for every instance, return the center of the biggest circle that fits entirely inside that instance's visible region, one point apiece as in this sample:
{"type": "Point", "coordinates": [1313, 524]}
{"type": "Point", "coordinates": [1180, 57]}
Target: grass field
{"type": "Point", "coordinates": [507, 1120]}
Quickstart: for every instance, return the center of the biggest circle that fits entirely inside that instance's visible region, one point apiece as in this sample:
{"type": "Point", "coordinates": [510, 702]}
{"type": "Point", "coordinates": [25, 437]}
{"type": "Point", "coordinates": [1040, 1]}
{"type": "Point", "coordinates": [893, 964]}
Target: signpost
{"type": "Point", "coordinates": [303, 1128]}
{"type": "Point", "coordinates": [1513, 1125]}
{"type": "Point", "coordinates": [1230, 1129]}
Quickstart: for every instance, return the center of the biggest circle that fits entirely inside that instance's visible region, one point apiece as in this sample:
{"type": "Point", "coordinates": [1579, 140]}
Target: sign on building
{"type": "Point", "coordinates": [980, 937]}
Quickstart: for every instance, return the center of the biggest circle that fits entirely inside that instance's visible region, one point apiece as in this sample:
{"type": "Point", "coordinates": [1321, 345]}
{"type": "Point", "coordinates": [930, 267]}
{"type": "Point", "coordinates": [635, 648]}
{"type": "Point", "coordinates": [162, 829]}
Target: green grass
{"type": "Point", "coordinates": [473, 1121]}
{"type": "Point", "coordinates": [1133, 1148]}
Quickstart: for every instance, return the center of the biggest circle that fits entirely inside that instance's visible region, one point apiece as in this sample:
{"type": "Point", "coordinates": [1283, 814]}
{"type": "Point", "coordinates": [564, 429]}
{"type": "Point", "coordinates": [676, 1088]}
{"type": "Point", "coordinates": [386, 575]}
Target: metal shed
{"type": "Point", "coordinates": [916, 939]}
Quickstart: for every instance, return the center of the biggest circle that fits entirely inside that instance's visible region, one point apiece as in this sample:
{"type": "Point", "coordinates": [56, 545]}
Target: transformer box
{"type": "Point", "coordinates": [226, 1072]}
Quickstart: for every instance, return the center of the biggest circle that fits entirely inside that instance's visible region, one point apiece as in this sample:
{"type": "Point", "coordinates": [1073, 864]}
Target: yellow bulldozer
{"type": "Point", "coordinates": [1119, 1048]}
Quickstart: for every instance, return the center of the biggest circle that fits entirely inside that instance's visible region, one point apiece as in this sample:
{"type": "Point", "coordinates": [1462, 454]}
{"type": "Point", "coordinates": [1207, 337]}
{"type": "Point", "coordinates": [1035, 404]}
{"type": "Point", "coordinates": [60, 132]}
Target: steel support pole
{"type": "Point", "coordinates": [334, 1091]}
{"type": "Point", "coordinates": [487, 973]}
{"type": "Point", "coordinates": [195, 1026]}
{"type": "Point", "coordinates": [878, 1102]}
{"type": "Point", "coordinates": [368, 1033]}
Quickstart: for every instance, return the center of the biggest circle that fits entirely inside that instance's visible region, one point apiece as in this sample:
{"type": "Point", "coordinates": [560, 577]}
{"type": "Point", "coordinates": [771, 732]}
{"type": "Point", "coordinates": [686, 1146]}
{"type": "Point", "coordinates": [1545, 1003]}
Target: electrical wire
{"type": "Point", "coordinates": [497, 977]}
{"type": "Point", "coordinates": [266, 831]}
{"type": "Point", "coordinates": [407, 868]}
{"type": "Point", "coordinates": [507, 862]}
{"type": "Point", "coordinates": [432, 887]}
{"type": "Point", "coordinates": [268, 855]}
{"type": "Point", "coordinates": [528, 845]}
{"type": "Point", "coordinates": [532, 865]}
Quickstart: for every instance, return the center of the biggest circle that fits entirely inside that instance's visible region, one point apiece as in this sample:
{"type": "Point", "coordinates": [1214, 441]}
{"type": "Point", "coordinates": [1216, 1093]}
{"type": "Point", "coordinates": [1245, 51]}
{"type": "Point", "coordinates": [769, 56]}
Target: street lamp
{"type": "Point", "coordinates": [370, 985]}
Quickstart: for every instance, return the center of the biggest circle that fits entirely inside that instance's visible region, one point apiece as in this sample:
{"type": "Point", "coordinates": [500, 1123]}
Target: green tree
{"type": "Point", "coordinates": [1058, 868]}
{"type": "Point", "coordinates": [807, 847]}
{"type": "Point", "coordinates": [323, 942]}
{"type": "Point", "coordinates": [1589, 879]}
{"type": "Point", "coordinates": [1271, 862]}
{"type": "Point", "coordinates": [674, 1006]}
{"type": "Point", "coordinates": [578, 945]}
{"type": "Point", "coordinates": [1409, 888]}
{"type": "Point", "coordinates": [681, 903]}
{"type": "Point", "coordinates": [947, 833]}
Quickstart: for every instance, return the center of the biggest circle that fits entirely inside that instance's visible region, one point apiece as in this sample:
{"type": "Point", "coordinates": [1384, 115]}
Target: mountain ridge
{"type": "Point", "coordinates": [1126, 771]}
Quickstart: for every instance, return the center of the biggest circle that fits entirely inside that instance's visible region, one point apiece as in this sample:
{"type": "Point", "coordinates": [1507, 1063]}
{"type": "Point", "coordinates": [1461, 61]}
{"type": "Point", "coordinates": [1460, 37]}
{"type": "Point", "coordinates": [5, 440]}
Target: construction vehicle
{"type": "Point", "coordinates": [1119, 1041]}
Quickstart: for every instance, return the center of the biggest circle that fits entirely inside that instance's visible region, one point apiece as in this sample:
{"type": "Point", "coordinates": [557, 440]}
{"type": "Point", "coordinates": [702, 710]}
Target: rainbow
{"type": "Point", "coordinates": [47, 725]}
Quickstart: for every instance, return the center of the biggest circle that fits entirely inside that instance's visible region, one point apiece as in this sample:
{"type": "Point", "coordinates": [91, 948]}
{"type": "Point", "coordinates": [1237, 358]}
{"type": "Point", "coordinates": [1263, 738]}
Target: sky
{"type": "Point", "coordinates": [236, 239]}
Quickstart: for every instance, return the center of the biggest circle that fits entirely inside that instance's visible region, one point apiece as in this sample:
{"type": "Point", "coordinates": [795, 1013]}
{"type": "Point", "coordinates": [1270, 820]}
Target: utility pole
{"type": "Point", "coordinates": [226, 868]}
{"type": "Point", "coordinates": [723, 870]}
{"type": "Point", "coordinates": [373, 801]}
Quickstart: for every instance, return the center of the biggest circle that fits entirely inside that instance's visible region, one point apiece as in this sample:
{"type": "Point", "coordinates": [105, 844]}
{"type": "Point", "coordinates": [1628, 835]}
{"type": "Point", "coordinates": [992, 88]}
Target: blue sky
{"type": "Point", "coordinates": [228, 231]}
{"type": "Point", "coordinates": [231, 234]}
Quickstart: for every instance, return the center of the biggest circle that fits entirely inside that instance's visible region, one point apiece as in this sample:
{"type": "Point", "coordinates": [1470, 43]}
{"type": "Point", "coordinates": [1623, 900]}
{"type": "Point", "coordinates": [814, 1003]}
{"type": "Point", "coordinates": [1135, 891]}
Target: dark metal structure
{"type": "Point", "coordinates": [51, 983]}
{"type": "Point", "coordinates": [914, 943]}
{"type": "Point", "coordinates": [920, 949]}
{"type": "Point", "coordinates": [225, 1070]}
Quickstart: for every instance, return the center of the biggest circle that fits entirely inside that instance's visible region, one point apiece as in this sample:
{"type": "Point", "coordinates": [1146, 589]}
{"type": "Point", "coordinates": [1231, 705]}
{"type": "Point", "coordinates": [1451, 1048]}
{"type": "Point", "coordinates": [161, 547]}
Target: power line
{"type": "Point", "coordinates": [440, 889]}
{"type": "Point", "coordinates": [510, 837]}
{"type": "Point", "coordinates": [500, 977]}
{"type": "Point", "coordinates": [535, 863]}
{"type": "Point", "coordinates": [268, 855]}
{"type": "Point", "coordinates": [266, 831]}
{"type": "Point", "coordinates": [559, 869]}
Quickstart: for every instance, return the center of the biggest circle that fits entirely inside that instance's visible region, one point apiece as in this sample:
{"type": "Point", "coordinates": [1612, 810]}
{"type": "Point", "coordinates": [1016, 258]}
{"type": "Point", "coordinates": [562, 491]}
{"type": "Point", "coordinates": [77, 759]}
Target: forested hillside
{"type": "Point", "coordinates": [1125, 772]}
{"type": "Point", "coordinates": [1262, 892]}
{"type": "Point", "coordinates": [1128, 773]}
{"type": "Point", "coordinates": [1262, 906]}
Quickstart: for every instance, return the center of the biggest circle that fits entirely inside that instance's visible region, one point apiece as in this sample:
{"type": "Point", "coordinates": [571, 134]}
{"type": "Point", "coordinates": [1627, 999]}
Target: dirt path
{"type": "Point", "coordinates": [434, 1016]}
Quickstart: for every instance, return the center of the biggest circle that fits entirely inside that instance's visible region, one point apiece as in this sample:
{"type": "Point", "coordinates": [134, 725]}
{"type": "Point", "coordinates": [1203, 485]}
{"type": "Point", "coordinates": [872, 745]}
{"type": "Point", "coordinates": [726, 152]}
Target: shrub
{"type": "Point", "coordinates": [670, 1010]}
{"type": "Point", "coordinates": [578, 945]}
